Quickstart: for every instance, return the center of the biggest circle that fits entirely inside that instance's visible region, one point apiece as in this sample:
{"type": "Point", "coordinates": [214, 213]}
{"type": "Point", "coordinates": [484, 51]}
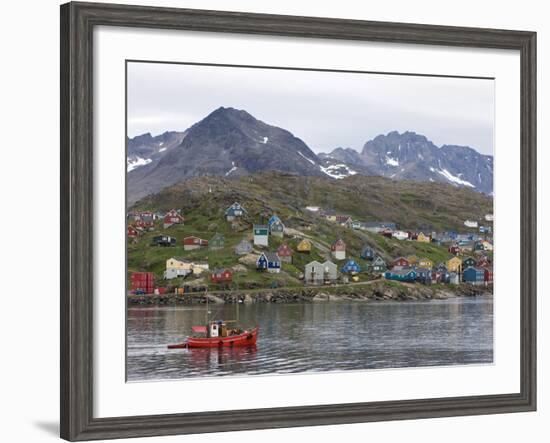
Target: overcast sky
{"type": "Point", "coordinates": [324, 109]}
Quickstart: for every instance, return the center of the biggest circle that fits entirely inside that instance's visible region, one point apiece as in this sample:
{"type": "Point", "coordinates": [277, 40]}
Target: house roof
{"type": "Point", "coordinates": [271, 256]}
{"type": "Point", "coordinates": [260, 227]}
{"type": "Point", "coordinates": [402, 271]}
{"type": "Point", "coordinates": [220, 270]}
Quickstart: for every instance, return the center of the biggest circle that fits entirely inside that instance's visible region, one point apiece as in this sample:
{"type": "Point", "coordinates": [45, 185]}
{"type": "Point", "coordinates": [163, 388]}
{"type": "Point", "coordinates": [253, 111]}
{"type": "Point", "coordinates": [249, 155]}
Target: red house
{"type": "Point", "coordinates": [386, 232]}
{"type": "Point", "coordinates": [173, 217]}
{"type": "Point", "coordinates": [400, 263]}
{"type": "Point", "coordinates": [132, 232]}
{"type": "Point", "coordinates": [144, 220]}
{"type": "Point", "coordinates": [412, 235]}
{"type": "Point", "coordinates": [488, 277]}
{"type": "Point", "coordinates": [285, 253]}
{"type": "Point", "coordinates": [192, 242]}
{"type": "Point", "coordinates": [454, 249]}
{"type": "Point", "coordinates": [222, 275]}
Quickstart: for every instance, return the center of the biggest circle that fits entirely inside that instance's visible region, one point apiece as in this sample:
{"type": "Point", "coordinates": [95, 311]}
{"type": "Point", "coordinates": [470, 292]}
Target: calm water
{"type": "Point", "coordinates": [314, 337]}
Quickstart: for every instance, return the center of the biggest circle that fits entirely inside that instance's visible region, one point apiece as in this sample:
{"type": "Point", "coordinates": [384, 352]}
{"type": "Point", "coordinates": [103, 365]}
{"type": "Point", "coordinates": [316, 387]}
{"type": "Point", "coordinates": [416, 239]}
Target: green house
{"type": "Point", "coordinates": [217, 242]}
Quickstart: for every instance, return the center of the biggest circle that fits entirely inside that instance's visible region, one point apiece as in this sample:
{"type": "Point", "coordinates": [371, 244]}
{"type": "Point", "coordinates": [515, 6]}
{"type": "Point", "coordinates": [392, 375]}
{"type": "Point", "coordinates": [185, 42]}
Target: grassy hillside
{"type": "Point", "coordinates": [203, 202]}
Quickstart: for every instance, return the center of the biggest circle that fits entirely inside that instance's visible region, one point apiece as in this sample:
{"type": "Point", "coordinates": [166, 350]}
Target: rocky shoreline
{"type": "Point", "coordinates": [377, 291]}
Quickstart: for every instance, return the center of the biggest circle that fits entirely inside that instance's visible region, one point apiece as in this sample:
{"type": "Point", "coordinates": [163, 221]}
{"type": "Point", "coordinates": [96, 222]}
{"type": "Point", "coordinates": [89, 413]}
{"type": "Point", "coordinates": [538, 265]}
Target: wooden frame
{"type": "Point", "coordinates": [77, 23]}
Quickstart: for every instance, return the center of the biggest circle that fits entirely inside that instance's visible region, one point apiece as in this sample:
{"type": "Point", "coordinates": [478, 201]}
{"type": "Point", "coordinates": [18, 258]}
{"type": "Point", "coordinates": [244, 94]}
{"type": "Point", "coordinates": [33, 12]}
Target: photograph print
{"type": "Point", "coordinates": [285, 220]}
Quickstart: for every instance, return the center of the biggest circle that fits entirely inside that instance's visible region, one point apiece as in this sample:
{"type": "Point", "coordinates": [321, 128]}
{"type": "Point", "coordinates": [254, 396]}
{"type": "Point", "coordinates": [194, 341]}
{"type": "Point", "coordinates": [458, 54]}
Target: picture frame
{"type": "Point", "coordinates": [77, 212]}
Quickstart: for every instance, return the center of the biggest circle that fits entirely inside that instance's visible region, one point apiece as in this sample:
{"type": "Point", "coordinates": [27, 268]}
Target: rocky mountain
{"type": "Point", "coordinates": [229, 143]}
{"type": "Point", "coordinates": [411, 156]}
{"type": "Point", "coordinates": [145, 148]}
{"type": "Point", "coordinates": [232, 143]}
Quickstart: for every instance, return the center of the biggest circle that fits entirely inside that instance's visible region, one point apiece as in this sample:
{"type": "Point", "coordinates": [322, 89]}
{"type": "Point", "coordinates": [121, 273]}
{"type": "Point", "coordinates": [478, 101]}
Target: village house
{"type": "Point", "coordinates": [177, 267]}
{"type": "Point", "coordinates": [400, 263]}
{"type": "Point", "coordinates": [404, 275]}
{"type": "Point", "coordinates": [454, 278]}
{"type": "Point", "coordinates": [466, 246]}
{"type": "Point", "coordinates": [400, 235]}
{"type": "Point", "coordinates": [171, 218]}
{"type": "Point", "coordinates": [424, 238]}
{"type": "Point", "coordinates": [425, 263]}
{"type": "Point", "coordinates": [386, 232]}
{"type": "Point", "coordinates": [221, 275]}
{"type": "Point", "coordinates": [145, 220]}
{"type": "Point", "coordinates": [163, 240]}
{"type": "Point", "coordinates": [199, 267]}
{"type": "Point", "coordinates": [488, 275]}
{"type": "Point", "coordinates": [468, 262]}
{"type": "Point", "coordinates": [487, 245]}
{"type": "Point", "coordinates": [269, 261]}
{"type": "Point", "coordinates": [343, 220]}
{"type": "Point", "coordinates": [351, 267]}
{"type": "Point", "coordinates": [470, 223]}
{"type": "Point", "coordinates": [413, 260]}
{"type": "Point", "coordinates": [276, 226]}
{"type": "Point", "coordinates": [441, 267]}
{"type": "Point", "coordinates": [304, 246]}
{"type": "Point", "coordinates": [243, 247]}
{"type": "Point", "coordinates": [412, 235]}
{"type": "Point", "coordinates": [482, 262]}
{"type": "Point", "coordinates": [378, 265]}
{"type": "Point", "coordinates": [367, 253]}
{"type": "Point", "coordinates": [424, 275]}
{"type": "Point", "coordinates": [318, 273]}
{"type": "Point", "coordinates": [454, 265]}
{"type": "Point", "coordinates": [216, 242]}
{"type": "Point", "coordinates": [192, 242]}
{"type": "Point", "coordinates": [454, 249]}
{"type": "Point", "coordinates": [338, 249]}
{"type": "Point", "coordinates": [285, 253]}
{"type": "Point", "coordinates": [236, 210]}
{"type": "Point", "coordinates": [376, 227]}
{"type": "Point", "coordinates": [440, 274]}
{"type": "Point", "coordinates": [329, 216]}
{"type": "Point", "coordinates": [474, 276]}
{"type": "Point", "coordinates": [261, 235]}
{"type": "Point", "coordinates": [132, 232]}
{"type": "Point", "coordinates": [489, 217]}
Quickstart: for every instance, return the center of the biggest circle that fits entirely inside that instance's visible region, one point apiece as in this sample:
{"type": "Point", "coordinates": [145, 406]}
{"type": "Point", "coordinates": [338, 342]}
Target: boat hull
{"type": "Point", "coordinates": [247, 338]}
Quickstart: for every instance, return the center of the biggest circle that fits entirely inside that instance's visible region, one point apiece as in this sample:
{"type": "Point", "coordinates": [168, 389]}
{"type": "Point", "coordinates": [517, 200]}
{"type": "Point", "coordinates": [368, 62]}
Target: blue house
{"type": "Point", "coordinates": [474, 276]}
{"type": "Point", "coordinates": [234, 211]}
{"type": "Point", "coordinates": [276, 226]}
{"type": "Point", "coordinates": [351, 267]}
{"type": "Point", "coordinates": [408, 275]}
{"type": "Point", "coordinates": [269, 261]}
{"type": "Point", "coordinates": [367, 253]}
{"type": "Point", "coordinates": [424, 275]}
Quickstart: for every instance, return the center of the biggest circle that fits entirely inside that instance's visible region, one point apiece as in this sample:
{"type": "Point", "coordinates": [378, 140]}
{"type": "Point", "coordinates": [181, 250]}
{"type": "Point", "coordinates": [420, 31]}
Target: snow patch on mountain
{"type": "Point", "coordinates": [453, 178]}
{"type": "Point", "coordinates": [135, 163]}
{"type": "Point", "coordinates": [308, 159]}
{"type": "Point", "coordinates": [338, 171]}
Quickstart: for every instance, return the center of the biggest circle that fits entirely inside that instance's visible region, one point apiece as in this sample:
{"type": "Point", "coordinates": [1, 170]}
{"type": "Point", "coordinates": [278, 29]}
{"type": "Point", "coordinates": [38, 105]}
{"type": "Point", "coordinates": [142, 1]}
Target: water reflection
{"type": "Point", "coordinates": [314, 337]}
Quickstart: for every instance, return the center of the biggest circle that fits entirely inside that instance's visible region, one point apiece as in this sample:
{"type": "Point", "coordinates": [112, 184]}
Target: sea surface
{"type": "Point", "coordinates": [312, 337]}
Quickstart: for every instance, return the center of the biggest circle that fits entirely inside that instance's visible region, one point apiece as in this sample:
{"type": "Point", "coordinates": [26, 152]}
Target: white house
{"type": "Point", "coordinates": [261, 235]}
{"type": "Point", "coordinates": [470, 223]}
{"type": "Point", "coordinates": [400, 235]}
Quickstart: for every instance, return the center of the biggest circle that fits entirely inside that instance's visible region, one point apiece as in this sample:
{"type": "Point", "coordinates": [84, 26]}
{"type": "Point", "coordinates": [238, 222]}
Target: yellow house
{"type": "Point", "coordinates": [179, 263]}
{"type": "Point", "coordinates": [199, 267]}
{"type": "Point", "coordinates": [413, 259]}
{"type": "Point", "coordinates": [454, 264]}
{"type": "Point", "coordinates": [426, 263]}
{"type": "Point", "coordinates": [330, 217]}
{"type": "Point", "coordinates": [423, 238]}
{"type": "Point", "coordinates": [304, 246]}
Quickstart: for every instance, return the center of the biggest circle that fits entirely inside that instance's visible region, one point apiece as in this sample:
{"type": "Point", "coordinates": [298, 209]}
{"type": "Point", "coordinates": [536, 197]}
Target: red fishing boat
{"type": "Point", "coordinates": [218, 334]}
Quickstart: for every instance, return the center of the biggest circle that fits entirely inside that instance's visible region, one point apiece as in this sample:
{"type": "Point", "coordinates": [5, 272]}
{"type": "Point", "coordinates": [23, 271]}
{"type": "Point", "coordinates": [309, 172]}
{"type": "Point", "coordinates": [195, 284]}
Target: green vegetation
{"type": "Point", "coordinates": [412, 205]}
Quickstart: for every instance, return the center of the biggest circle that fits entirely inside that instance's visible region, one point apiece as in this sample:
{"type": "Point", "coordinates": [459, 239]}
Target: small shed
{"type": "Point", "coordinates": [304, 246]}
